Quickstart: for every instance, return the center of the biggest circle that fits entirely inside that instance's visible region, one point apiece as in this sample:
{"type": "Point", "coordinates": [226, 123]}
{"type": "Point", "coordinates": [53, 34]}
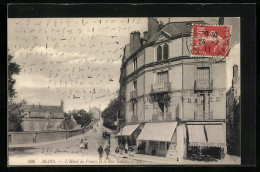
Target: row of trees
{"type": "Point", "coordinates": [14, 111]}
{"type": "Point", "coordinates": [81, 118]}
{"type": "Point", "coordinates": [109, 114]}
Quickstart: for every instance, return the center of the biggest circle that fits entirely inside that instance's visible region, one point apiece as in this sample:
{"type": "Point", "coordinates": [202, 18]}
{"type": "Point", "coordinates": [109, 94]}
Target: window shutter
{"type": "Point", "coordinates": [159, 53]}
{"type": "Point", "coordinates": [165, 51]}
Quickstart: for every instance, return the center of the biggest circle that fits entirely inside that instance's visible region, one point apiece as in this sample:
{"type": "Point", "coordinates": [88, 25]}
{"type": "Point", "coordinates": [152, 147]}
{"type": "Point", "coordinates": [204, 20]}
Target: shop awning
{"type": "Point", "coordinates": [128, 130]}
{"type": "Point", "coordinates": [215, 135]}
{"type": "Point", "coordinates": [206, 135]}
{"type": "Point", "coordinates": [161, 131]}
{"type": "Point", "coordinates": [196, 135]}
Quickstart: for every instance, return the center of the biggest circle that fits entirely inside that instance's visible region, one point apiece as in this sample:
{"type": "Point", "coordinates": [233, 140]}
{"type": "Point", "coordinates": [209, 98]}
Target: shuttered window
{"type": "Point", "coordinates": [162, 52]}
{"type": "Point", "coordinates": [162, 77]}
{"type": "Point", "coordinates": [159, 53]}
{"type": "Point", "coordinates": [203, 74]}
{"type": "Point", "coordinates": [135, 85]}
{"type": "Point", "coordinates": [165, 51]}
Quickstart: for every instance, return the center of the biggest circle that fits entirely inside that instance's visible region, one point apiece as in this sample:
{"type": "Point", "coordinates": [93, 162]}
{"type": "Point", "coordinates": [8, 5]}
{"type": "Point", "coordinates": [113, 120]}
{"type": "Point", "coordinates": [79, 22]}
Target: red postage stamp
{"type": "Point", "coordinates": [210, 41]}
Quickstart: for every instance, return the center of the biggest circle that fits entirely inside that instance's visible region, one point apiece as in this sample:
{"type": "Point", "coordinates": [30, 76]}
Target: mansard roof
{"type": "Point", "coordinates": [175, 28]}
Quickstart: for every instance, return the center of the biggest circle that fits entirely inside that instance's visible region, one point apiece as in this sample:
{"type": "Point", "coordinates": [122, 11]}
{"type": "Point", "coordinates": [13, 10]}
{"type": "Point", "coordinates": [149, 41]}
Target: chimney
{"type": "Point", "coordinates": [160, 26]}
{"type": "Point", "coordinates": [235, 75]}
{"type": "Point", "coordinates": [33, 106]}
{"type": "Point", "coordinates": [146, 35]}
{"type": "Point", "coordinates": [235, 71]}
{"type": "Point", "coordinates": [221, 21]}
{"type": "Point", "coordinates": [39, 105]}
{"type": "Point", "coordinates": [134, 41]}
{"type": "Point", "coordinates": [62, 106]}
{"type": "Point", "coordinates": [153, 26]}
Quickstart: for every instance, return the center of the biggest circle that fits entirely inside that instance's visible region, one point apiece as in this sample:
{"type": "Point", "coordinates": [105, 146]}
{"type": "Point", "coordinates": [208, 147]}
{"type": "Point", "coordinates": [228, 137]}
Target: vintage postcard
{"type": "Point", "coordinates": [124, 91]}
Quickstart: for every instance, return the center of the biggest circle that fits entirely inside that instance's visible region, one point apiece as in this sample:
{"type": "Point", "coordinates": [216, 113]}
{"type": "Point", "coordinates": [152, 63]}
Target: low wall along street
{"type": "Point", "coordinates": [44, 136]}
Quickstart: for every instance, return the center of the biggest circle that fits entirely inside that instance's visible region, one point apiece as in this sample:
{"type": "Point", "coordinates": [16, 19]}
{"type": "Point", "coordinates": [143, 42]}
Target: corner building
{"type": "Point", "coordinates": [178, 101]}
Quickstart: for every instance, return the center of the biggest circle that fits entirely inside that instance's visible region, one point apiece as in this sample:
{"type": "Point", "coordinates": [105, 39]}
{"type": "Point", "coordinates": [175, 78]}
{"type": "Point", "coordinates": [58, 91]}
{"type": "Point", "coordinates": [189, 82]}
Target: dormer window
{"type": "Point", "coordinates": [159, 53]}
{"type": "Point", "coordinates": [162, 52]}
{"type": "Point", "coordinates": [165, 51]}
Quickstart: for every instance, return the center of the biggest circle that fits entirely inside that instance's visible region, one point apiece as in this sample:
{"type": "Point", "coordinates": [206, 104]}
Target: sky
{"type": "Point", "coordinates": [78, 60]}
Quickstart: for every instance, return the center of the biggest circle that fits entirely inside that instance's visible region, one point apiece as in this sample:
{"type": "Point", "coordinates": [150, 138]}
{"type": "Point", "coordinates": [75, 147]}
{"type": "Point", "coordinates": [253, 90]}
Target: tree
{"type": "Point", "coordinates": [109, 114]}
{"type": "Point", "coordinates": [68, 123]}
{"type": "Point", "coordinates": [95, 112]}
{"type": "Point", "coordinates": [13, 69]}
{"type": "Point", "coordinates": [82, 117]}
{"type": "Point", "coordinates": [14, 109]}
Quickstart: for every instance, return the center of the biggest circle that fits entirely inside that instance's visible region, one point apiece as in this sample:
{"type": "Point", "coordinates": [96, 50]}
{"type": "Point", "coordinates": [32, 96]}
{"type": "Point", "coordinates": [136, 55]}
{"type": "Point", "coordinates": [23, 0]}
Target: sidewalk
{"type": "Point", "coordinates": [40, 144]}
{"type": "Point", "coordinates": [139, 157]}
{"type": "Point", "coordinates": [166, 160]}
{"type": "Point", "coordinates": [35, 145]}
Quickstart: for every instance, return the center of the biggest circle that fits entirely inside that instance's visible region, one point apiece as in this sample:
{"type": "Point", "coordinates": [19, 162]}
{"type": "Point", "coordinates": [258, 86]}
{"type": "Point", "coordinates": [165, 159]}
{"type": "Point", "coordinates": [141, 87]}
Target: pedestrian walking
{"type": "Point", "coordinates": [86, 144]}
{"type": "Point", "coordinates": [126, 148]}
{"type": "Point", "coordinates": [107, 151]}
{"type": "Point", "coordinates": [82, 146]}
{"type": "Point", "coordinates": [117, 152]}
{"type": "Point", "coordinates": [132, 151]}
{"type": "Point", "coordinates": [100, 152]}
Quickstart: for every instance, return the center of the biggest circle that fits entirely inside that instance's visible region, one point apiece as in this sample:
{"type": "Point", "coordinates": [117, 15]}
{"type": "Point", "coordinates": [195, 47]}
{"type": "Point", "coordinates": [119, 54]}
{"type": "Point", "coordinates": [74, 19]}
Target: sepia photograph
{"type": "Point", "coordinates": [124, 91]}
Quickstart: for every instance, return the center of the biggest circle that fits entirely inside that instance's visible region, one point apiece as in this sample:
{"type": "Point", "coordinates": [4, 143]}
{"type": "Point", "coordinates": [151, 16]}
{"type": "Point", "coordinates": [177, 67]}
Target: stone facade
{"type": "Point", "coordinates": [41, 118]}
{"type": "Point", "coordinates": [164, 83]}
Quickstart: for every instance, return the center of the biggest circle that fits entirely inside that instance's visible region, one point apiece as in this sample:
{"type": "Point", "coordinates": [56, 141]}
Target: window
{"type": "Point", "coordinates": [162, 77]}
{"type": "Point", "coordinates": [203, 77]}
{"type": "Point", "coordinates": [162, 52]}
{"type": "Point", "coordinates": [159, 53]}
{"type": "Point", "coordinates": [134, 108]}
{"type": "Point", "coordinates": [165, 51]}
{"type": "Point", "coordinates": [135, 64]}
{"type": "Point", "coordinates": [135, 85]}
{"type": "Point", "coordinates": [162, 145]}
{"type": "Point", "coordinates": [203, 74]}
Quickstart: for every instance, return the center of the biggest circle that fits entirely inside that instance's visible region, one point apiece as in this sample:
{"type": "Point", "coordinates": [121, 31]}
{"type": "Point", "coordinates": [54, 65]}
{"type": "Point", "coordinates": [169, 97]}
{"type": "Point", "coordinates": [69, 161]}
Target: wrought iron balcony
{"type": "Point", "coordinates": [201, 115]}
{"type": "Point", "coordinates": [203, 85]}
{"type": "Point", "coordinates": [133, 94]}
{"type": "Point", "coordinates": [161, 87]}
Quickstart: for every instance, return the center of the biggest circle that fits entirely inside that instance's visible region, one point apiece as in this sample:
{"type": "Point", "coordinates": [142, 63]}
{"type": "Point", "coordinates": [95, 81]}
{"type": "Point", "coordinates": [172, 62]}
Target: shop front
{"type": "Point", "coordinates": [157, 138]}
{"type": "Point", "coordinates": [206, 142]}
{"type": "Point", "coordinates": [128, 134]}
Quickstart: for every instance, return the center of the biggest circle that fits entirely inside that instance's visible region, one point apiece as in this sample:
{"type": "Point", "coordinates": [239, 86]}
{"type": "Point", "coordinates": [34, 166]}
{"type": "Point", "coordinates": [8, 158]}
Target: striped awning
{"type": "Point", "coordinates": [128, 130]}
{"type": "Point", "coordinates": [215, 135]}
{"type": "Point", "coordinates": [161, 131]}
{"type": "Point", "coordinates": [206, 135]}
{"type": "Point", "coordinates": [196, 135]}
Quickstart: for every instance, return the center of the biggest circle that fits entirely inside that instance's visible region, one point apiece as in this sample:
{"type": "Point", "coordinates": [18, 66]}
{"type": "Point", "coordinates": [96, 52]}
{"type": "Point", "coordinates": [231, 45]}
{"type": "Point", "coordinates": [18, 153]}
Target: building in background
{"type": "Point", "coordinates": [41, 118]}
{"type": "Point", "coordinates": [233, 115]}
{"type": "Point", "coordinates": [177, 101]}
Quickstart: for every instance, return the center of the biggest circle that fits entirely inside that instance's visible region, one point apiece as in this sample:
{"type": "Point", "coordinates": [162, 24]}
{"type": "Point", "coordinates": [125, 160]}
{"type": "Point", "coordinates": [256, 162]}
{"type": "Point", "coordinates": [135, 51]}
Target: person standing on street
{"type": "Point", "coordinates": [117, 152]}
{"type": "Point", "coordinates": [86, 144]}
{"type": "Point", "coordinates": [82, 146]}
{"type": "Point", "coordinates": [107, 151]}
{"type": "Point", "coordinates": [100, 152]}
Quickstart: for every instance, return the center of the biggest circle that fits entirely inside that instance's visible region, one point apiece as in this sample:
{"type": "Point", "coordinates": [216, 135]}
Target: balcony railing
{"type": "Point", "coordinates": [166, 116]}
{"type": "Point", "coordinates": [161, 87]}
{"type": "Point", "coordinates": [203, 85]}
{"type": "Point", "coordinates": [133, 94]}
{"type": "Point", "coordinates": [201, 115]}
